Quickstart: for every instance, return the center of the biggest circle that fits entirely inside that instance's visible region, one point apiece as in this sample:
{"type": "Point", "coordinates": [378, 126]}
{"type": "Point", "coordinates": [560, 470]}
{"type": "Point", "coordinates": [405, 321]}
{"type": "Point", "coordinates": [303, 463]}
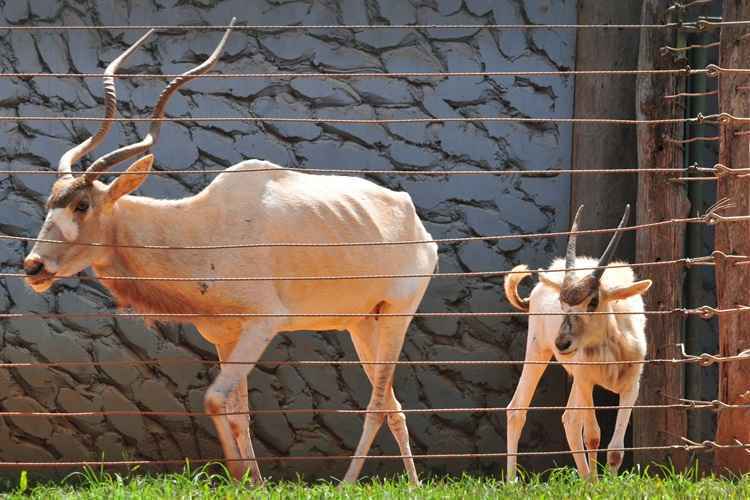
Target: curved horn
{"type": "Point", "coordinates": [570, 254]}
{"type": "Point", "coordinates": [113, 158]}
{"type": "Point", "coordinates": [612, 246]}
{"type": "Point", "coordinates": [65, 166]}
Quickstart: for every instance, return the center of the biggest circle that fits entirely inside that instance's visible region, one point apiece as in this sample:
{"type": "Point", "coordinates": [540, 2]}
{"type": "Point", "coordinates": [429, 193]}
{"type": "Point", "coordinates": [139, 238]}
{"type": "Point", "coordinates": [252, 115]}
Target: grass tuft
{"type": "Point", "coordinates": [556, 484]}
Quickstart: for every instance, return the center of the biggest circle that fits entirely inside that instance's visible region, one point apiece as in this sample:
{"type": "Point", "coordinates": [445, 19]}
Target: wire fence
{"type": "Point", "coordinates": [702, 23]}
{"type": "Point", "coordinates": [705, 312]}
{"type": "Point", "coordinates": [711, 70]}
{"type": "Point", "coordinates": [704, 359]}
{"type": "Point", "coordinates": [711, 217]}
{"type": "Point", "coordinates": [686, 262]}
{"type": "Point", "coordinates": [686, 446]}
{"type": "Point", "coordinates": [679, 174]}
{"type": "Point", "coordinates": [376, 121]}
{"type": "Point", "coordinates": [686, 404]}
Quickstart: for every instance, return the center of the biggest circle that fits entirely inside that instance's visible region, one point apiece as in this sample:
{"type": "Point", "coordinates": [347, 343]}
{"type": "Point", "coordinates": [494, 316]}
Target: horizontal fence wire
{"type": "Point", "coordinates": [701, 24]}
{"type": "Point", "coordinates": [377, 121]}
{"type": "Point", "coordinates": [704, 359]}
{"type": "Point", "coordinates": [712, 70]}
{"type": "Point", "coordinates": [687, 262]}
{"type": "Point", "coordinates": [279, 27]}
{"type": "Point", "coordinates": [703, 311]}
{"type": "Point", "coordinates": [687, 446]}
{"type": "Point", "coordinates": [694, 169]}
{"type": "Point", "coordinates": [686, 405]}
{"type": "Point", "coordinates": [711, 217]}
{"type": "Point", "coordinates": [382, 74]}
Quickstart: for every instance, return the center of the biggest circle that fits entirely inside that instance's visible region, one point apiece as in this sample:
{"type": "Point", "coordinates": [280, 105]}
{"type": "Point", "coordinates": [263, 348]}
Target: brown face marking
{"type": "Point", "coordinates": [64, 192]}
{"type": "Point", "coordinates": [580, 291]}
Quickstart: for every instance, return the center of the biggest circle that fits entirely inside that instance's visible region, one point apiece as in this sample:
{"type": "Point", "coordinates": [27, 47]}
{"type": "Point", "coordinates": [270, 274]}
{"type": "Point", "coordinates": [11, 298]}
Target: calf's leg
{"type": "Point", "coordinates": [516, 418]}
{"type": "Point", "coordinates": [627, 398]}
{"type": "Point", "coordinates": [573, 424]}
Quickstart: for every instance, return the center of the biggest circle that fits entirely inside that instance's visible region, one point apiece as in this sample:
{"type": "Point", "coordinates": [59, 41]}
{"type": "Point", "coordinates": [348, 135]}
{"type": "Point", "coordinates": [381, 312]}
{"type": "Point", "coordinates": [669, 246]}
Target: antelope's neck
{"type": "Point", "coordinates": [137, 220]}
{"type": "Point", "coordinates": [144, 221]}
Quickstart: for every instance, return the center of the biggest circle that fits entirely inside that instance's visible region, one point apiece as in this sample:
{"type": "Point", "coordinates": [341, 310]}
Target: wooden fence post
{"type": "Point", "coordinates": [660, 199]}
{"type": "Point", "coordinates": [733, 282]}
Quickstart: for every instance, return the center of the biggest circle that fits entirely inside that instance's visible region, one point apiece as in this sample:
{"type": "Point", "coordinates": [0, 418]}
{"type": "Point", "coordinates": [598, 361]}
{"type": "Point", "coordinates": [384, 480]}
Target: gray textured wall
{"type": "Point", "coordinates": [451, 206]}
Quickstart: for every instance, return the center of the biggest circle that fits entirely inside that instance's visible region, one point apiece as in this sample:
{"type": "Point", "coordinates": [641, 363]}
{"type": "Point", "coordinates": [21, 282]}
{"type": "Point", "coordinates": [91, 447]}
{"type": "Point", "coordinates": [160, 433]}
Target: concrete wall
{"type": "Point", "coordinates": [452, 206]}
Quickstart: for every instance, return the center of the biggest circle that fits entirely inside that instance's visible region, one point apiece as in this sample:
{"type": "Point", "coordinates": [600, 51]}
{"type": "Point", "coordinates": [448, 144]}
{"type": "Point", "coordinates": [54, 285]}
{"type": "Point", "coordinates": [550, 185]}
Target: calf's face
{"type": "Point", "coordinates": [580, 328]}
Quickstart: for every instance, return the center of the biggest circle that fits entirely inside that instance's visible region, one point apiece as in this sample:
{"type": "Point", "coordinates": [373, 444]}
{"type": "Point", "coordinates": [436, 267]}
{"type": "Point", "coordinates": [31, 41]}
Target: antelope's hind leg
{"type": "Point", "coordinates": [363, 337]}
{"type": "Point", "coordinates": [387, 342]}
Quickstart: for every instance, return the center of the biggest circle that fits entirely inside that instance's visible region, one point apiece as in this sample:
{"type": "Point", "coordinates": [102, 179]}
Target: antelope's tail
{"type": "Point", "coordinates": [511, 287]}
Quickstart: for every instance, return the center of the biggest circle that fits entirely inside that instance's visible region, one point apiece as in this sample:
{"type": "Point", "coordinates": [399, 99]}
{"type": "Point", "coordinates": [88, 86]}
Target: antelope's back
{"type": "Point", "coordinates": [280, 206]}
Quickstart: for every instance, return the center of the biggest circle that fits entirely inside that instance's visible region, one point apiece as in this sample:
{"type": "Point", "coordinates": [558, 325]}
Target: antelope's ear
{"type": "Point", "coordinates": [637, 288]}
{"type": "Point", "coordinates": [125, 184]}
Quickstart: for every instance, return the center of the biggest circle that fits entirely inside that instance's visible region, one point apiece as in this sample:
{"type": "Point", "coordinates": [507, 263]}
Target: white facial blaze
{"type": "Point", "coordinates": [64, 222]}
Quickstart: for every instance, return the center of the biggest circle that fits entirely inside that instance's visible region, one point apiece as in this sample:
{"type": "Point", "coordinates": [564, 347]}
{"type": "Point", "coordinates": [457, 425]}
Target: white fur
{"type": "Point", "coordinates": [63, 219]}
{"type": "Point", "coordinates": [274, 206]}
{"type": "Point", "coordinates": [620, 336]}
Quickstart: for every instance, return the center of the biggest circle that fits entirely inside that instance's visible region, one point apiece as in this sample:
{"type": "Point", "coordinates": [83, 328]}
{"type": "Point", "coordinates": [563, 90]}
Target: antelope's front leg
{"type": "Point", "coordinates": [591, 433]}
{"type": "Point", "coordinates": [248, 351]}
{"type": "Point", "coordinates": [240, 425]}
{"type": "Point", "coordinates": [515, 418]}
{"type": "Point", "coordinates": [573, 424]}
{"type": "Point", "coordinates": [627, 398]}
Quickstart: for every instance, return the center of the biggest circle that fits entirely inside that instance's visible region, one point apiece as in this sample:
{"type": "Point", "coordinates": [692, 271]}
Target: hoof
{"type": "Point", "coordinates": [614, 461]}
{"type": "Point", "coordinates": [344, 483]}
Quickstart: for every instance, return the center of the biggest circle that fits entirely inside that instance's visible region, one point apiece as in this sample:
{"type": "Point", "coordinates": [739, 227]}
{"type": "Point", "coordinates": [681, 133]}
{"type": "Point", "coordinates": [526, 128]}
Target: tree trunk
{"type": "Point", "coordinates": [733, 282]}
{"type": "Point", "coordinates": [658, 200]}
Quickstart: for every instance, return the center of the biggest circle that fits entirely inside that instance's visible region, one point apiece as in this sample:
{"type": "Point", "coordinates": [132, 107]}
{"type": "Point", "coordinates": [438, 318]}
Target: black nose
{"type": "Point", "coordinates": [33, 267]}
{"type": "Point", "coordinates": [563, 343]}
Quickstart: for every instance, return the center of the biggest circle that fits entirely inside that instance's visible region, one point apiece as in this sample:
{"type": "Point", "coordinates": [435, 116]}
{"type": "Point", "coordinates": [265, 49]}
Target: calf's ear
{"type": "Point", "coordinates": [624, 292]}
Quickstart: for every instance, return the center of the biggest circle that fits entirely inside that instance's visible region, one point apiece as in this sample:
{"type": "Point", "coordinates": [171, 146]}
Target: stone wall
{"type": "Point", "coordinates": [450, 206]}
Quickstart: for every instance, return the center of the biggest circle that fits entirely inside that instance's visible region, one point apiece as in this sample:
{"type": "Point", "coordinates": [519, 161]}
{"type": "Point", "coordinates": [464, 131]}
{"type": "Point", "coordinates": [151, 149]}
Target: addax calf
{"type": "Point", "coordinates": [612, 289]}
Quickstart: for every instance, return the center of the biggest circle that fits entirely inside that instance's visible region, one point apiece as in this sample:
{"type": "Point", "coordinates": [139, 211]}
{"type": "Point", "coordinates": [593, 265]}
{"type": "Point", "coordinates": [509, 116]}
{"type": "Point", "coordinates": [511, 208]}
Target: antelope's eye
{"type": "Point", "coordinates": [82, 206]}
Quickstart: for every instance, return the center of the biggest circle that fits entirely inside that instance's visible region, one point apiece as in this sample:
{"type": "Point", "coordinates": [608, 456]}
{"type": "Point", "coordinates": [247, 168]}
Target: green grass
{"type": "Point", "coordinates": [557, 484]}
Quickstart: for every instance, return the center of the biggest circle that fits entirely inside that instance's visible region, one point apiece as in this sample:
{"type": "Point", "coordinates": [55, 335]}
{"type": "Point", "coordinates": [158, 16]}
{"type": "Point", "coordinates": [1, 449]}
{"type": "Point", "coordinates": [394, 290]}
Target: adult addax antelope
{"type": "Point", "coordinates": [272, 206]}
{"type": "Point", "coordinates": [609, 289]}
